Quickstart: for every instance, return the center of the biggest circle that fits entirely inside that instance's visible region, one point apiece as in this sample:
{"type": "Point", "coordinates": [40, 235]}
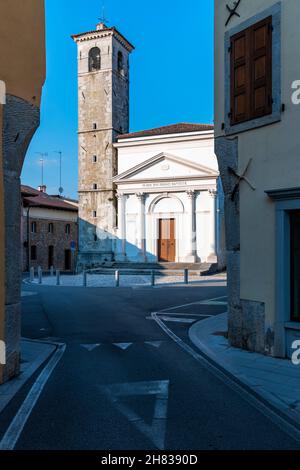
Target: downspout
{"type": "Point", "coordinates": [28, 238]}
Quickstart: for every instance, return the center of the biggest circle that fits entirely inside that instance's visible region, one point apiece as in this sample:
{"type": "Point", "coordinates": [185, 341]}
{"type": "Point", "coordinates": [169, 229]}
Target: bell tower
{"type": "Point", "coordinates": [103, 109]}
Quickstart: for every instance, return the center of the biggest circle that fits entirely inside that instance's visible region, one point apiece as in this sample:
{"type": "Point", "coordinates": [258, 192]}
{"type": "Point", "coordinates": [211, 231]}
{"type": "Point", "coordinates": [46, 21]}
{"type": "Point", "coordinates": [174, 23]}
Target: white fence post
{"type": "Point", "coordinates": [117, 278]}
{"type": "Point", "coordinates": [57, 277]}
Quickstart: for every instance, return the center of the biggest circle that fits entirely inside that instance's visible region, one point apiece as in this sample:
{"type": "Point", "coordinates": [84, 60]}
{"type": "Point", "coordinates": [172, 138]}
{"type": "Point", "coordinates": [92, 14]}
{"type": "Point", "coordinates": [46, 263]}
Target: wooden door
{"type": "Point", "coordinates": [166, 240]}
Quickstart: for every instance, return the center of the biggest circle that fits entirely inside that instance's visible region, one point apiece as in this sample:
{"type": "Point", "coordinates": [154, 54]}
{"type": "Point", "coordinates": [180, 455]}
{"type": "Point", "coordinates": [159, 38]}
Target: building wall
{"type": "Point", "coordinates": [22, 68]}
{"type": "Point", "coordinates": [103, 98]}
{"type": "Point", "coordinates": [274, 150]}
{"type": "Point", "coordinates": [42, 239]}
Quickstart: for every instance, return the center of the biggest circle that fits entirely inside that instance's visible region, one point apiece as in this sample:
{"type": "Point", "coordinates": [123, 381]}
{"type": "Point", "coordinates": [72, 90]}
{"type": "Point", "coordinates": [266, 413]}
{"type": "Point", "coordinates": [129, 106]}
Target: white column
{"type": "Point", "coordinates": [141, 227]}
{"type": "Point", "coordinates": [213, 257]}
{"type": "Point", "coordinates": [122, 225]}
{"type": "Point", "coordinates": [191, 228]}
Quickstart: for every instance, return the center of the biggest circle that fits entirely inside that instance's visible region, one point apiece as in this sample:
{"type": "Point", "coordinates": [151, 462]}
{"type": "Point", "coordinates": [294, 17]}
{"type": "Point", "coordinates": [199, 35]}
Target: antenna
{"type": "Point", "coordinates": [60, 189]}
{"type": "Point", "coordinates": [42, 160]}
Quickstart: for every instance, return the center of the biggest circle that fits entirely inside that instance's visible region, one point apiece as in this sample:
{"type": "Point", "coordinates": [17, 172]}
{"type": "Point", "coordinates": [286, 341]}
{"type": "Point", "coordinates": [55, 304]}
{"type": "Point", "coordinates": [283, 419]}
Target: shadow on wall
{"type": "Point", "coordinates": [97, 247]}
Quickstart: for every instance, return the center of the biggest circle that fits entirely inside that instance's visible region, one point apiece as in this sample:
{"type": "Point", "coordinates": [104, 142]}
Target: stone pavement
{"type": "Point", "coordinates": [33, 355]}
{"type": "Point", "coordinates": [128, 280]}
{"type": "Point", "coordinates": [275, 381]}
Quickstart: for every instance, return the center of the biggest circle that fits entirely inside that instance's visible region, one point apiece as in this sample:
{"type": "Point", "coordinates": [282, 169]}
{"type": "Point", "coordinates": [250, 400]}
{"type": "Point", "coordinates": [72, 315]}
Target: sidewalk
{"type": "Point", "coordinates": [276, 381]}
{"type": "Point", "coordinates": [34, 354]}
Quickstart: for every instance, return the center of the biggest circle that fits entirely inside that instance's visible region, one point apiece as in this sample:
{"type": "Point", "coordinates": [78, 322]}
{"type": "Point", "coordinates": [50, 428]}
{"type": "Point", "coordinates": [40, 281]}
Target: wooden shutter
{"type": "Point", "coordinates": [261, 68]}
{"type": "Point", "coordinates": [251, 72]}
{"type": "Point", "coordinates": [240, 86]}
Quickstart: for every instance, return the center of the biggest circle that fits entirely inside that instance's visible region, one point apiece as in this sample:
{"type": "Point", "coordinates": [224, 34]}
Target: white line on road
{"type": "Point", "coordinates": [180, 314]}
{"type": "Point", "coordinates": [178, 320]}
{"type": "Point", "coordinates": [198, 302]}
{"type": "Point", "coordinates": [17, 425]}
{"type": "Point", "coordinates": [155, 344]}
{"type": "Point", "coordinates": [90, 347]}
{"type": "Point", "coordinates": [123, 346]}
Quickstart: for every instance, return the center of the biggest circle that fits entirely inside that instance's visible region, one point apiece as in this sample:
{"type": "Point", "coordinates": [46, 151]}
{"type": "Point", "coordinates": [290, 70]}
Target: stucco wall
{"type": "Point", "coordinates": [274, 151]}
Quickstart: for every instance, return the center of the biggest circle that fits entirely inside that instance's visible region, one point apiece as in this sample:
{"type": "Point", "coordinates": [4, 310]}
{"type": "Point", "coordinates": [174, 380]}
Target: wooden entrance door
{"type": "Point", "coordinates": [166, 240]}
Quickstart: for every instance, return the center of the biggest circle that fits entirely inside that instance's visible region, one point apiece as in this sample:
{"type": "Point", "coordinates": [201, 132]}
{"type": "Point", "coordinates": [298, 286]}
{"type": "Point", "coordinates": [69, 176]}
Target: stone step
{"type": "Point", "coordinates": [159, 268]}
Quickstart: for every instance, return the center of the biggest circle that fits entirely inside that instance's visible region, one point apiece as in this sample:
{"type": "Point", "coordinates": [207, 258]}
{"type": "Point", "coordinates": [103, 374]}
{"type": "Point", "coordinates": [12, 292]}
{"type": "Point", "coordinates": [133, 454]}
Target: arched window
{"type": "Point", "coordinates": [68, 229]}
{"type": "Point", "coordinates": [94, 59]}
{"type": "Point", "coordinates": [120, 62]}
{"type": "Point", "coordinates": [51, 228]}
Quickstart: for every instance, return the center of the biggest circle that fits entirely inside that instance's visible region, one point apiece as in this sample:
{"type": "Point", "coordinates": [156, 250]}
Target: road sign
{"type": "Point", "coordinates": [73, 246]}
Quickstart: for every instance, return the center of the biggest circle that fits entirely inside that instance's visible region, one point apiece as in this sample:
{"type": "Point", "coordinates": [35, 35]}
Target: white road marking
{"type": "Point", "coordinates": [185, 314]}
{"type": "Point", "coordinates": [90, 347]}
{"type": "Point", "coordinates": [156, 432]}
{"type": "Point", "coordinates": [191, 303]}
{"type": "Point", "coordinates": [178, 320]}
{"type": "Point", "coordinates": [17, 425]}
{"type": "Point", "coordinates": [155, 344]}
{"type": "Point", "coordinates": [215, 302]}
{"type": "Point", "coordinates": [123, 346]}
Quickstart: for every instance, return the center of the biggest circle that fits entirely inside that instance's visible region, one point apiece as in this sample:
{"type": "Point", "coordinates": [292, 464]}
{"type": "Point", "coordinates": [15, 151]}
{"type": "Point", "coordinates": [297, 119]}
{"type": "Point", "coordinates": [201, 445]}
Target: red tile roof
{"type": "Point", "coordinates": [179, 128]}
{"type": "Point", "coordinates": [34, 198]}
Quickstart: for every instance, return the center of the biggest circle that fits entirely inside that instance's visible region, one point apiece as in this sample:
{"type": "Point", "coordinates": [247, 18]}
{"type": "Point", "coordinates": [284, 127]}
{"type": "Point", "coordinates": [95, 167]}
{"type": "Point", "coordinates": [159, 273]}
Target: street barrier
{"type": "Point", "coordinates": [117, 278]}
{"type": "Point", "coordinates": [57, 277]}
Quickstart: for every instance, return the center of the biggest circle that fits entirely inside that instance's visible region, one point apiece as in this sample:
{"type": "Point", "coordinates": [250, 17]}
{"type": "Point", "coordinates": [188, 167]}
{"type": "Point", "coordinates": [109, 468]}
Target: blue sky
{"type": "Point", "coordinates": [171, 74]}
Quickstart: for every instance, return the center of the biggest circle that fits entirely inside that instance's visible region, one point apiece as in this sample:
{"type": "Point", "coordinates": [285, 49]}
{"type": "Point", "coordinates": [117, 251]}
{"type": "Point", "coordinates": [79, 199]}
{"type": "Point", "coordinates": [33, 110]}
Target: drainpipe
{"type": "Point", "coordinates": [28, 238]}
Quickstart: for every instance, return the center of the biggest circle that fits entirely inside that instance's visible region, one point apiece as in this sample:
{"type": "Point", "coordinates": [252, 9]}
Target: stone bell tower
{"type": "Point", "coordinates": [103, 102]}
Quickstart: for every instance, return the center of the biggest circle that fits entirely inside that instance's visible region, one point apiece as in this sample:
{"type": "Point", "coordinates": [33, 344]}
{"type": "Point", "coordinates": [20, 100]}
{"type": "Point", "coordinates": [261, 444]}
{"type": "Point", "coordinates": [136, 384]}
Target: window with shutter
{"type": "Point", "coordinates": [251, 72]}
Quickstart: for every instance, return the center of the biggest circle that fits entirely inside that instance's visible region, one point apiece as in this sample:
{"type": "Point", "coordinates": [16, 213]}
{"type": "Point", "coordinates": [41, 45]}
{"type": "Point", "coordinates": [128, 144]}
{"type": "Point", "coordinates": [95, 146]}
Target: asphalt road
{"type": "Point", "coordinates": [123, 383]}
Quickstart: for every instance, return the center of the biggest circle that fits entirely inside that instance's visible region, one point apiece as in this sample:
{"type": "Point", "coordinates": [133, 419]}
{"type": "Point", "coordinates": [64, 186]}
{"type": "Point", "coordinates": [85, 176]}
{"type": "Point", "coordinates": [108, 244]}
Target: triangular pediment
{"type": "Point", "coordinates": [166, 166]}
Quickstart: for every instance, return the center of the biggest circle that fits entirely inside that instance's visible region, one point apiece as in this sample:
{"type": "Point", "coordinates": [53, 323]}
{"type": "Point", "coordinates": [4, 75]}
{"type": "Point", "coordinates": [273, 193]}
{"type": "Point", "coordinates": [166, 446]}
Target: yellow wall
{"type": "Point", "coordinates": [22, 68]}
{"type": "Point", "coordinates": [22, 47]}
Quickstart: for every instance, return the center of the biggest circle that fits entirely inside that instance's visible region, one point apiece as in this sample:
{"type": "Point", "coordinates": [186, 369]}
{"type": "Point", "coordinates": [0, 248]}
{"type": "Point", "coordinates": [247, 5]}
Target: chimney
{"type": "Point", "coordinates": [42, 189]}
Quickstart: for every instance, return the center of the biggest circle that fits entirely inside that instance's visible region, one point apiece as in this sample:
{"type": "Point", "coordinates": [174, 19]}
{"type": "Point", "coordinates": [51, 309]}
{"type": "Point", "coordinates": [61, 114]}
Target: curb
{"type": "Point", "coordinates": [265, 397]}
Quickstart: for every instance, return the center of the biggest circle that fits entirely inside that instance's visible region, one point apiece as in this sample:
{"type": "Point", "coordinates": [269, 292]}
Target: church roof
{"type": "Point", "coordinates": [180, 128]}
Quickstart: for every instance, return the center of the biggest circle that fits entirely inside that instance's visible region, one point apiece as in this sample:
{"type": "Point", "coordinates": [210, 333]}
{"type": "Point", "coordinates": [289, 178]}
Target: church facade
{"type": "Point", "coordinates": [151, 196]}
{"type": "Point", "coordinates": [170, 201]}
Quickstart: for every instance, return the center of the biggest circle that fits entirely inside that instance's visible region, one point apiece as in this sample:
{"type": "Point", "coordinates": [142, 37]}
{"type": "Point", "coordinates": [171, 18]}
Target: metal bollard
{"type": "Point", "coordinates": [153, 278]}
{"type": "Point", "coordinates": [52, 271]}
{"type": "Point", "coordinates": [31, 274]}
{"type": "Point", "coordinates": [57, 277]}
{"type": "Point", "coordinates": [84, 279]}
{"type": "Point", "coordinates": [40, 275]}
{"type": "Point", "coordinates": [117, 278]}
{"type": "Point", "coordinates": [186, 276]}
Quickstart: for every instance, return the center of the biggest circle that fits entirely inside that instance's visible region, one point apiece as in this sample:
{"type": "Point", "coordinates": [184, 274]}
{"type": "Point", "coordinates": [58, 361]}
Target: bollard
{"type": "Point", "coordinates": [153, 278]}
{"type": "Point", "coordinates": [31, 274]}
{"type": "Point", "coordinates": [186, 276]}
{"type": "Point", "coordinates": [52, 271]}
{"type": "Point", "coordinates": [57, 277]}
{"type": "Point", "coordinates": [117, 278]}
{"type": "Point", "coordinates": [84, 279]}
{"type": "Point", "coordinates": [40, 275]}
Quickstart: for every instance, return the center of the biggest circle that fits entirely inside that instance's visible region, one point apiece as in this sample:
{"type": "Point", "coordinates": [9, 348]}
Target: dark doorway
{"type": "Point", "coordinates": [295, 265]}
{"type": "Point", "coordinates": [68, 260]}
{"type": "Point", "coordinates": [50, 256]}
{"type": "Point", "coordinates": [166, 241]}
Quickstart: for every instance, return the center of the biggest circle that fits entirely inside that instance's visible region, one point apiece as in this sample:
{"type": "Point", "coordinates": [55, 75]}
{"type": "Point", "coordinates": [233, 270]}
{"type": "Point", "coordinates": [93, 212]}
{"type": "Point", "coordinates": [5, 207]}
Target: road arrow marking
{"type": "Point", "coordinates": [90, 347]}
{"type": "Point", "coordinates": [123, 346]}
{"type": "Point", "coordinates": [156, 431]}
{"type": "Point", "coordinates": [155, 344]}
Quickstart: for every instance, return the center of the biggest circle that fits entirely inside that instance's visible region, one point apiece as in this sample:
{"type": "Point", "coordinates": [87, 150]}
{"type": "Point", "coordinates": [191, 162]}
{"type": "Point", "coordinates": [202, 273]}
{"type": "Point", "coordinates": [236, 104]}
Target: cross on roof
{"type": "Point", "coordinates": [103, 18]}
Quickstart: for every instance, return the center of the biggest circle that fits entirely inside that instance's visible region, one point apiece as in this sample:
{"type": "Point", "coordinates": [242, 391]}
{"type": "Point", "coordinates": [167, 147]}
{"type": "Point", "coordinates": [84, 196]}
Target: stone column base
{"type": "Point", "coordinates": [190, 259]}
